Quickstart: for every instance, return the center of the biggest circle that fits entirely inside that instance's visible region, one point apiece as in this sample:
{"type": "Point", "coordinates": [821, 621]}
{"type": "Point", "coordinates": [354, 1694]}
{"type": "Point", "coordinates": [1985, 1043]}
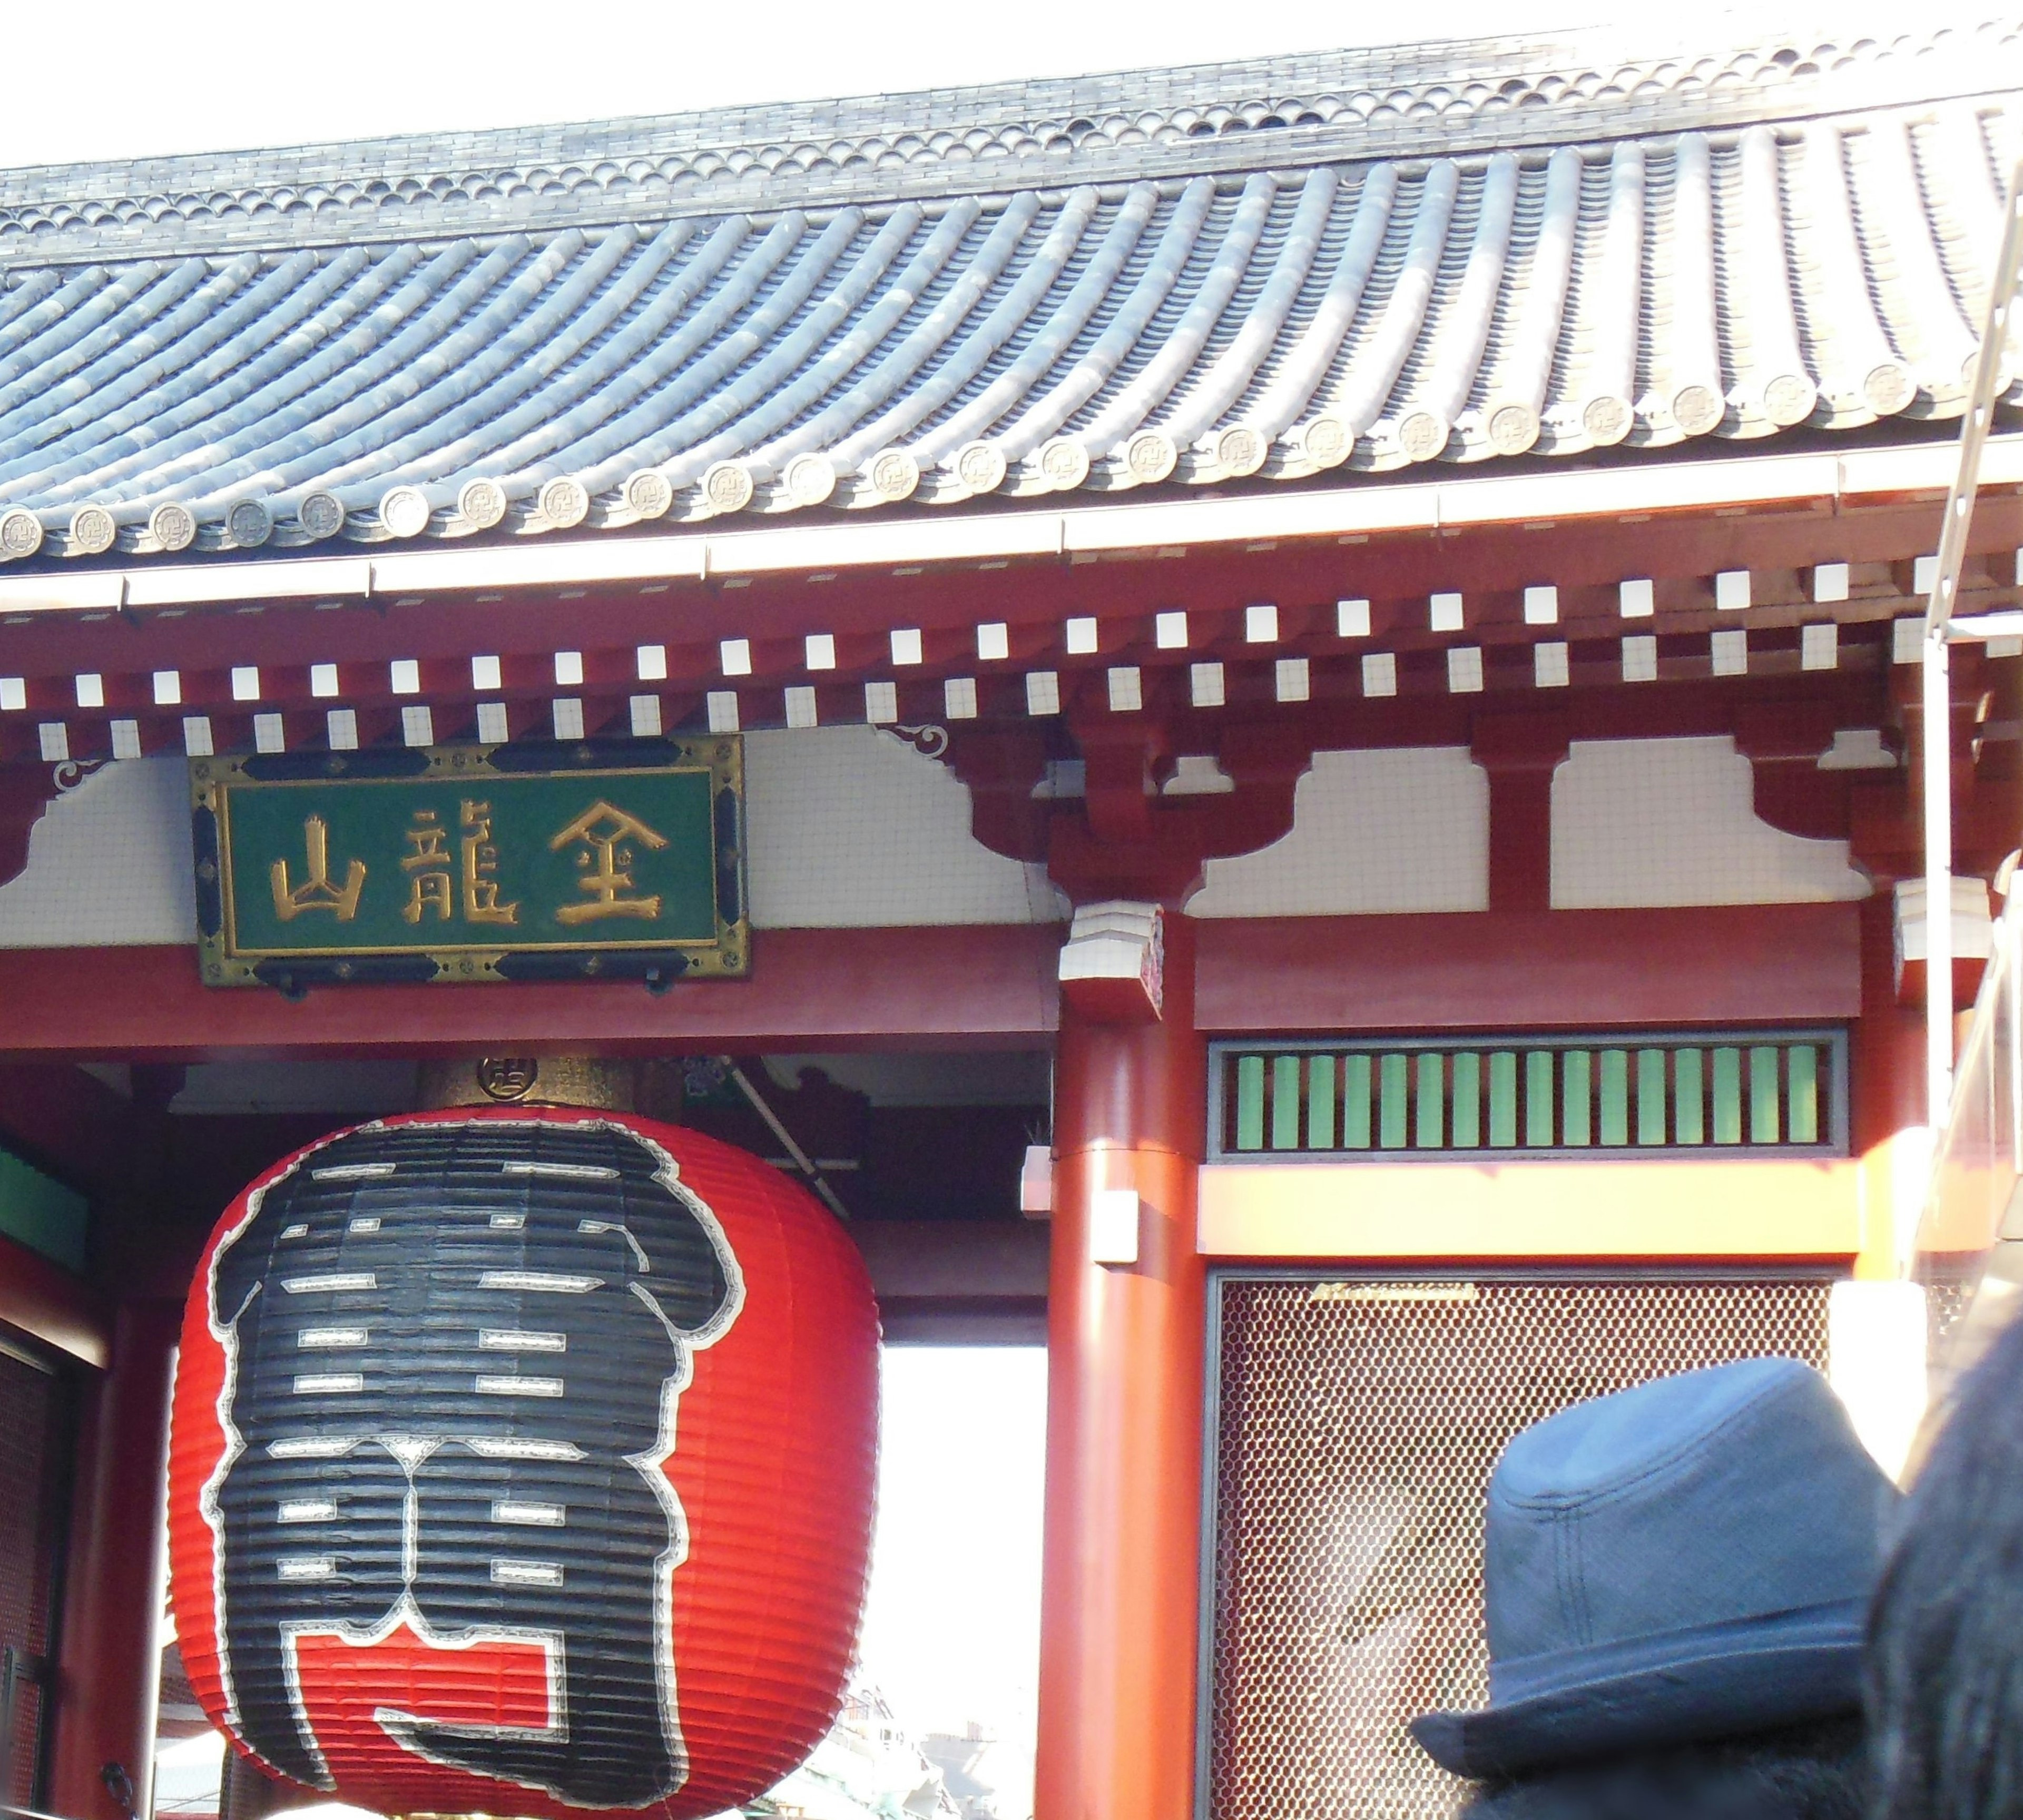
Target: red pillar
{"type": "Point", "coordinates": [108, 1666]}
{"type": "Point", "coordinates": [1120, 1610]}
{"type": "Point", "coordinates": [1889, 1058]}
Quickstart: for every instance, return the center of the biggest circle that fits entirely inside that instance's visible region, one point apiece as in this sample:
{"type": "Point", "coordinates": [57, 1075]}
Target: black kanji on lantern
{"type": "Point", "coordinates": [454, 1349]}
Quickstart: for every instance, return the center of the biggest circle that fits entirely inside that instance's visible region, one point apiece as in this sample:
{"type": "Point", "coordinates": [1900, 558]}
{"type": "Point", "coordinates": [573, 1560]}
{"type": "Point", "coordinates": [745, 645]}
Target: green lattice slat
{"type": "Point", "coordinates": [1503, 1100]}
{"type": "Point", "coordinates": [1467, 1101]}
{"type": "Point", "coordinates": [1576, 1098]}
{"type": "Point", "coordinates": [1650, 1096]}
{"type": "Point", "coordinates": [1285, 1102]}
{"type": "Point", "coordinates": [1688, 1098]}
{"type": "Point", "coordinates": [1538, 1100]}
{"type": "Point", "coordinates": [1431, 1121]}
{"type": "Point", "coordinates": [1763, 1121]}
{"type": "Point", "coordinates": [1766, 1092]}
{"type": "Point", "coordinates": [1727, 1096]}
{"type": "Point", "coordinates": [1802, 1064]}
{"type": "Point", "coordinates": [1320, 1103]}
{"type": "Point", "coordinates": [1250, 1102]}
{"type": "Point", "coordinates": [1615, 1096]}
{"type": "Point", "coordinates": [1355, 1102]}
{"type": "Point", "coordinates": [1393, 1102]}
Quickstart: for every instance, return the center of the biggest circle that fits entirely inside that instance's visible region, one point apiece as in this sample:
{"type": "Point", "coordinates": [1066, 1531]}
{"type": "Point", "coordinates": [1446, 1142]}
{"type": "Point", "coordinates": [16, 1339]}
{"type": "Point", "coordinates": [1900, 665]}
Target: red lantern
{"type": "Point", "coordinates": [522, 1464]}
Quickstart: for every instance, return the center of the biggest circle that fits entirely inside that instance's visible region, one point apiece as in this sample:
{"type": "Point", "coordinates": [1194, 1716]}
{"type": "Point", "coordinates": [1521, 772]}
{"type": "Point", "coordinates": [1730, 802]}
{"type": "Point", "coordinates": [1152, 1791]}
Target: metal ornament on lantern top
{"type": "Point", "coordinates": [522, 1464]}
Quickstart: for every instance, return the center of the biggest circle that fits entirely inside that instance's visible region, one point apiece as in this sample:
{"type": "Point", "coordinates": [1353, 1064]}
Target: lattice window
{"type": "Point", "coordinates": [1355, 1423]}
{"type": "Point", "coordinates": [1739, 1092]}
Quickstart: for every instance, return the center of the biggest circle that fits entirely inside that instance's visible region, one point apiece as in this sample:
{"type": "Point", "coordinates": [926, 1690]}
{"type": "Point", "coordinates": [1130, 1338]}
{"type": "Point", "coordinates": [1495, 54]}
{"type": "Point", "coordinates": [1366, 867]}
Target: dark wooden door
{"type": "Point", "coordinates": [34, 1473]}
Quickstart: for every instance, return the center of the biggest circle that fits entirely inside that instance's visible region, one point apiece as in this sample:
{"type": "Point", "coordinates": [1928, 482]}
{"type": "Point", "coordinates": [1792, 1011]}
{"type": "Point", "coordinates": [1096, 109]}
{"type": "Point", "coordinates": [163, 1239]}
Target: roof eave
{"type": "Point", "coordinates": [1828, 479]}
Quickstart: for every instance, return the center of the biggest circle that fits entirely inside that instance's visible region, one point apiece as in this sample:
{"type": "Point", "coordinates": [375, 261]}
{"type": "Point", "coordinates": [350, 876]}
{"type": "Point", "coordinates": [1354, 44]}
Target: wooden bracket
{"type": "Point", "coordinates": [1521, 752]}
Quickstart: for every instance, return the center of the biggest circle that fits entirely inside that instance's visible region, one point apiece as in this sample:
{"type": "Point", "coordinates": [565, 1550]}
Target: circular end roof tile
{"type": "Point", "coordinates": [320, 515]}
{"type": "Point", "coordinates": [404, 511]}
{"type": "Point", "coordinates": [727, 486]}
{"type": "Point", "coordinates": [649, 493]}
{"type": "Point", "coordinates": [92, 531]}
{"type": "Point", "coordinates": [173, 525]}
{"type": "Point", "coordinates": [483, 501]}
{"type": "Point", "coordinates": [21, 535]}
{"type": "Point", "coordinates": [249, 523]}
{"type": "Point", "coordinates": [564, 501]}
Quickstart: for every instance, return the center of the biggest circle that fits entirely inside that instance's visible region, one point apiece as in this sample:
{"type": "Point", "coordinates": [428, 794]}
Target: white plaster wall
{"type": "Point", "coordinates": [851, 828]}
{"type": "Point", "coordinates": [1372, 831]}
{"type": "Point", "coordinates": [1641, 823]}
{"type": "Point", "coordinates": [109, 864]}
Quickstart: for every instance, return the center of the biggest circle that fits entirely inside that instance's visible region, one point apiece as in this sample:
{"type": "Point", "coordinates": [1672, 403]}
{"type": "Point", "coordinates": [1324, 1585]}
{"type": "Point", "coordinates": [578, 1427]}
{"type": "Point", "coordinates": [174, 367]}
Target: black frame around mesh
{"type": "Point", "coordinates": [1343, 1495]}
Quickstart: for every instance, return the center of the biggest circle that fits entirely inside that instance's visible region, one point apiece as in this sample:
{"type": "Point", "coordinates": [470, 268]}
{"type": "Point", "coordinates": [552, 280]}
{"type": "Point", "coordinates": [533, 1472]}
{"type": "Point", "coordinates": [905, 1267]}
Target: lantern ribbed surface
{"type": "Point", "coordinates": [522, 1464]}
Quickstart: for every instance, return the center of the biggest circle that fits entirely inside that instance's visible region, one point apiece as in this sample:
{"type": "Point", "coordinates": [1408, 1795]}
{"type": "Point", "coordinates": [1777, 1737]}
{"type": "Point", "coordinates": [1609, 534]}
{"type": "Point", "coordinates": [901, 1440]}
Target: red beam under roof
{"type": "Point", "coordinates": [1547, 969]}
{"type": "Point", "coordinates": [64, 1121]}
{"type": "Point", "coordinates": [47, 1304]}
{"type": "Point", "coordinates": [981, 987]}
{"type": "Point", "coordinates": [965, 987]}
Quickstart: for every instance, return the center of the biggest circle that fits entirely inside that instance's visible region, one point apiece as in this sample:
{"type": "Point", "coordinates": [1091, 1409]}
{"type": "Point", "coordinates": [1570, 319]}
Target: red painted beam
{"type": "Point", "coordinates": [981, 986]}
{"type": "Point", "coordinates": [968, 987]}
{"type": "Point", "coordinates": [47, 1304]}
{"type": "Point", "coordinates": [64, 1122]}
{"type": "Point", "coordinates": [1491, 563]}
{"type": "Point", "coordinates": [1683, 699]}
{"type": "Point", "coordinates": [956, 1282]}
{"type": "Point", "coordinates": [924, 1259]}
{"type": "Point", "coordinates": [1548, 969]}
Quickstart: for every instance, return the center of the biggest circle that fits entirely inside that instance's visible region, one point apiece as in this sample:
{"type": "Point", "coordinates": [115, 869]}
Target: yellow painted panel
{"type": "Point", "coordinates": [1789, 1208]}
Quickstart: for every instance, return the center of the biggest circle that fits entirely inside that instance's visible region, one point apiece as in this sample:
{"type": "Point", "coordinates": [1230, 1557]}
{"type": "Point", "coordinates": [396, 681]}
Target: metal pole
{"type": "Point", "coordinates": [1938, 781]}
{"type": "Point", "coordinates": [801, 1160]}
{"type": "Point", "coordinates": [1988, 378]}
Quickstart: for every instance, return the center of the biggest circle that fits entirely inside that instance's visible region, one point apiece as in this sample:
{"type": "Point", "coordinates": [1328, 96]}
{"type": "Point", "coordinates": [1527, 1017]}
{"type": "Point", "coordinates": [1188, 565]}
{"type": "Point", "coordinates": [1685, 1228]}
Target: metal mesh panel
{"type": "Point", "coordinates": [1357, 1421]}
{"type": "Point", "coordinates": [1946, 1305]}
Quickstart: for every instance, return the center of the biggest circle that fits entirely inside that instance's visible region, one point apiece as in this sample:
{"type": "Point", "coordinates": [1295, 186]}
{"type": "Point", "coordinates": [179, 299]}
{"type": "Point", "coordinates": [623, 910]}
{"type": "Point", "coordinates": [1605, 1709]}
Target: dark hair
{"type": "Point", "coordinates": [1945, 1633]}
{"type": "Point", "coordinates": [1818, 1771]}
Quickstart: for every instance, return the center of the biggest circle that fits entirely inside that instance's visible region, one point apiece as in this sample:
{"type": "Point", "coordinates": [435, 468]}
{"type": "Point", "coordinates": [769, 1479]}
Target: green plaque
{"type": "Point", "coordinates": [591, 859]}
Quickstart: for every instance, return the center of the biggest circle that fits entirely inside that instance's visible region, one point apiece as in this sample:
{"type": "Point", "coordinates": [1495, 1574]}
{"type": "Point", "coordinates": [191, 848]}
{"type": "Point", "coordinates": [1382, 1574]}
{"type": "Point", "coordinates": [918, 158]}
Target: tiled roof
{"type": "Point", "coordinates": [1451, 97]}
{"type": "Point", "coordinates": [1346, 263]}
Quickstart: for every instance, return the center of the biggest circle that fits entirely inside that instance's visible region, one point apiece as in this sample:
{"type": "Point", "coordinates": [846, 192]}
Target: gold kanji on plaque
{"type": "Point", "coordinates": [316, 892]}
{"type": "Point", "coordinates": [606, 862]}
{"type": "Point", "coordinates": [427, 864]}
{"type": "Point", "coordinates": [479, 865]}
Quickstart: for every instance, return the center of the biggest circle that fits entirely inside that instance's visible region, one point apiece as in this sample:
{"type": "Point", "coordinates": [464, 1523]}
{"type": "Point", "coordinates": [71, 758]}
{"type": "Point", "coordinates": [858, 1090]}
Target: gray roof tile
{"type": "Point", "coordinates": [1351, 263]}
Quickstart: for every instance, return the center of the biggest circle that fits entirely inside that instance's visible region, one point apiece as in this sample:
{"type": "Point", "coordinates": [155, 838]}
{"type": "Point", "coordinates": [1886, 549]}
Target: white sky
{"type": "Point", "coordinates": [952, 1627]}
{"type": "Point", "coordinates": [120, 78]}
